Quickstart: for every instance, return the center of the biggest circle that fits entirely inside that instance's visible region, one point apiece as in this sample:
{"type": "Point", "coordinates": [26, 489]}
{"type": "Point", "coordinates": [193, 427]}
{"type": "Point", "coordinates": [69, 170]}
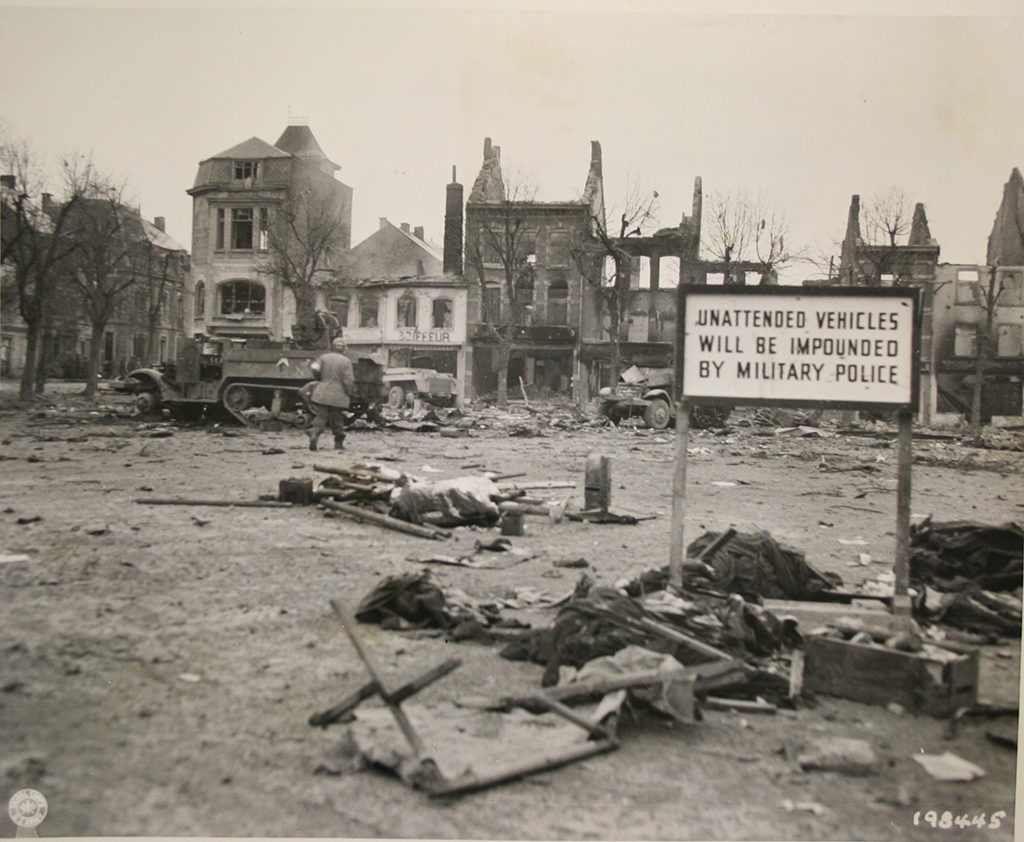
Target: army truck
{"type": "Point", "coordinates": [647, 392]}
{"type": "Point", "coordinates": [403, 386]}
{"type": "Point", "coordinates": [219, 375]}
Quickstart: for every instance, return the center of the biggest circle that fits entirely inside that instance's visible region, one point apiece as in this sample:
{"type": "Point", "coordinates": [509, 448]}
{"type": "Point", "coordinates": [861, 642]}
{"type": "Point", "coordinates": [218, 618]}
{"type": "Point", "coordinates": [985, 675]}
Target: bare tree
{"type": "Point", "coordinates": [37, 239]}
{"type": "Point", "coordinates": [741, 228]}
{"type": "Point", "coordinates": [504, 237]}
{"type": "Point", "coordinates": [823, 257]}
{"type": "Point", "coordinates": [770, 249]}
{"type": "Point", "coordinates": [986, 294]}
{"type": "Point", "coordinates": [605, 265]}
{"type": "Point", "coordinates": [730, 228]}
{"type": "Point", "coordinates": [105, 263]}
{"type": "Point", "coordinates": [887, 216]}
{"type": "Point", "coordinates": [305, 244]}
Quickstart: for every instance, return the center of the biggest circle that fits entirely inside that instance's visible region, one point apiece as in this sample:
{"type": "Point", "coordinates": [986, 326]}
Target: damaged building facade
{"type": "Point", "coordinates": [236, 197]}
{"type": "Point", "coordinates": [657, 264]}
{"type": "Point", "coordinates": [402, 302]}
{"type": "Point", "coordinates": [966, 309]}
{"type": "Point", "coordinates": [524, 286]}
{"type": "Point", "coordinates": [984, 303]}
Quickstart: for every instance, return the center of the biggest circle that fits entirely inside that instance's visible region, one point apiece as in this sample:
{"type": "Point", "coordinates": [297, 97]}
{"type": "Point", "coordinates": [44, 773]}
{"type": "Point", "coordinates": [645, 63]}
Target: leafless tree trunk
{"type": "Point", "coordinates": [37, 239]}
{"type": "Point", "coordinates": [603, 251]}
{"type": "Point", "coordinates": [739, 225]}
{"type": "Point", "coordinates": [504, 236]}
{"type": "Point", "coordinates": [102, 268]}
{"type": "Point", "coordinates": [987, 296]}
{"type": "Point", "coordinates": [305, 244]}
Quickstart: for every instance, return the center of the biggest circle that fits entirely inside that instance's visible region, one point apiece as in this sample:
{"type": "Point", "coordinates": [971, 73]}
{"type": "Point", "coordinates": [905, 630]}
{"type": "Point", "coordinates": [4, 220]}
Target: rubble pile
{"type": "Point", "coordinates": [751, 564]}
{"type": "Point", "coordinates": [970, 574]}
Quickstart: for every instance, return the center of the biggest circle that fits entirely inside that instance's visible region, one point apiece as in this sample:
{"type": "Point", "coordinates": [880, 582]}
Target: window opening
{"type": "Point", "coordinates": [242, 297]}
{"type": "Point", "coordinates": [407, 311]}
{"type": "Point", "coordinates": [441, 313]}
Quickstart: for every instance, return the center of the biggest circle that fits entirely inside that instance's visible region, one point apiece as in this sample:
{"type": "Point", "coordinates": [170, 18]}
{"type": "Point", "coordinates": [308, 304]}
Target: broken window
{"type": "Point", "coordinates": [1008, 342]}
{"type": "Point", "coordinates": [264, 228]}
{"type": "Point", "coordinates": [407, 311]}
{"type": "Point", "coordinates": [558, 303]}
{"type": "Point", "coordinates": [199, 300]}
{"type": "Point", "coordinates": [368, 307]}
{"type": "Point", "coordinates": [242, 297]}
{"type": "Point", "coordinates": [558, 248]}
{"type": "Point", "coordinates": [339, 306]}
{"type": "Point", "coordinates": [528, 247]}
{"type": "Point", "coordinates": [966, 283]}
{"type": "Point", "coordinates": [441, 312]}
{"type": "Point", "coordinates": [489, 246]}
{"type": "Point", "coordinates": [247, 170]}
{"type": "Point", "coordinates": [1012, 294]}
{"type": "Point", "coordinates": [241, 229]}
{"type": "Point", "coordinates": [965, 340]}
{"type": "Point", "coordinates": [492, 304]}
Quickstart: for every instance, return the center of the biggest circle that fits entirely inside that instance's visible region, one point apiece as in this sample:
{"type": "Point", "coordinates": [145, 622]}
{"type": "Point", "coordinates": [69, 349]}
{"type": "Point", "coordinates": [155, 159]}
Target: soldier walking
{"type": "Point", "coordinates": [335, 382]}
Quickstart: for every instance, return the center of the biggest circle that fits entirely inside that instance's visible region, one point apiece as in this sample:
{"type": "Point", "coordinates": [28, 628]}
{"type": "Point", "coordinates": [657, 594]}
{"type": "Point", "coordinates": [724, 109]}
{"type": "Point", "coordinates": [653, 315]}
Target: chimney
{"type": "Point", "coordinates": [853, 218]}
{"type": "Point", "coordinates": [159, 222]}
{"type": "Point", "coordinates": [417, 232]}
{"type": "Point", "coordinates": [487, 150]}
{"type": "Point", "coordinates": [453, 226]}
{"type": "Point", "coordinates": [405, 227]}
{"type": "Point", "coordinates": [7, 181]}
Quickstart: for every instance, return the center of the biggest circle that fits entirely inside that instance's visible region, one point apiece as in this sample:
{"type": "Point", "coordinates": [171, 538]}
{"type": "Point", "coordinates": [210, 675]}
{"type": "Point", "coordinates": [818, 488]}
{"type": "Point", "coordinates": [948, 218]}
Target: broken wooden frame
{"type": "Point", "coordinates": [693, 383]}
{"type": "Point", "coordinates": [428, 776]}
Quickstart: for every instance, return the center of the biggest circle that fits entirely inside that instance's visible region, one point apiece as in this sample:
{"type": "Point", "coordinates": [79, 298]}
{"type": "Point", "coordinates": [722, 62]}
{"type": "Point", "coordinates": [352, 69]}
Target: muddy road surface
{"type": "Point", "coordinates": [159, 663]}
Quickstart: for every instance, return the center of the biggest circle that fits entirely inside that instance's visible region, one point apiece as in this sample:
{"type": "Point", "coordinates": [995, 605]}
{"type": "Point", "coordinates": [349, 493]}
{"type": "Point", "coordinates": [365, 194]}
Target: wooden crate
{"type": "Point", "coordinates": [878, 676]}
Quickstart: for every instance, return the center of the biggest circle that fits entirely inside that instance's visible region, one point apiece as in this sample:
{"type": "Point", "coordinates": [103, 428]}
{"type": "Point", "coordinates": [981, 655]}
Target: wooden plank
{"type": "Point", "coordinates": [879, 676]}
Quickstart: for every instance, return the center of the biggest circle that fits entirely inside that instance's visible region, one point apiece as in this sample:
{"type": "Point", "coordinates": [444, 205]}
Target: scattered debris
{"type": "Point", "coordinates": [850, 755]}
{"type": "Point", "coordinates": [805, 806]}
{"type": "Point", "coordinates": [418, 767]}
{"type": "Point", "coordinates": [453, 502]}
{"type": "Point", "coordinates": [949, 767]}
{"type": "Point", "coordinates": [267, 504]}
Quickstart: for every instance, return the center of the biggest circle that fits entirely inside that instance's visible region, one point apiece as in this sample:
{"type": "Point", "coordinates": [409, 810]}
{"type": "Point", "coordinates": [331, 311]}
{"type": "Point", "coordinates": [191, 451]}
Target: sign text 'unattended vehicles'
{"type": "Point", "coordinates": [792, 346]}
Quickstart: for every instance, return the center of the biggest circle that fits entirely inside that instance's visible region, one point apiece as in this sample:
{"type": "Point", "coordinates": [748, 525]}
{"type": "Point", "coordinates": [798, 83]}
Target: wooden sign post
{"type": "Point", "coordinates": [820, 347]}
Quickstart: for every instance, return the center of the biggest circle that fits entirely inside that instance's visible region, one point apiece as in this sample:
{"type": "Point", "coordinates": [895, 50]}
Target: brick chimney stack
{"type": "Point", "coordinates": [160, 222]}
{"type": "Point", "coordinates": [453, 226]}
{"type": "Point", "coordinates": [417, 232]}
{"type": "Point", "coordinates": [405, 227]}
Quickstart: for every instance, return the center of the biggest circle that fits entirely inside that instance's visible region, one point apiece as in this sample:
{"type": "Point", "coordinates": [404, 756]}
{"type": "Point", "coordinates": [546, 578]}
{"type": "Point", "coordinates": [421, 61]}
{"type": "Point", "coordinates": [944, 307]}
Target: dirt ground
{"type": "Point", "coordinates": [159, 663]}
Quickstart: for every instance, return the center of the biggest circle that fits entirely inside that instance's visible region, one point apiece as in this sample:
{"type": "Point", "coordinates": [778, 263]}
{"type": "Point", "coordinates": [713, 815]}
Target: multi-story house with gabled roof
{"type": "Point", "coordinates": [235, 198]}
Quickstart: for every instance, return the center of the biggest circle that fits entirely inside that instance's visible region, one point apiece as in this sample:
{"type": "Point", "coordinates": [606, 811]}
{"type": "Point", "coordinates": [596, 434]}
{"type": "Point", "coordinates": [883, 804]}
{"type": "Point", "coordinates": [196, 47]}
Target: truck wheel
{"type": "Point", "coordinates": [237, 397]}
{"type": "Point", "coordinates": [658, 414]}
{"type": "Point", "coordinates": [396, 397]}
{"type": "Point", "coordinates": [146, 403]}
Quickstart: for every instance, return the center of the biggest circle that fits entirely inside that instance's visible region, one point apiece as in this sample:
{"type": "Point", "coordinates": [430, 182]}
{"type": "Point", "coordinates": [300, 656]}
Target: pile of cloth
{"type": "Point", "coordinates": [598, 622]}
{"type": "Point", "coordinates": [754, 565]}
{"type": "Point", "coordinates": [970, 573]}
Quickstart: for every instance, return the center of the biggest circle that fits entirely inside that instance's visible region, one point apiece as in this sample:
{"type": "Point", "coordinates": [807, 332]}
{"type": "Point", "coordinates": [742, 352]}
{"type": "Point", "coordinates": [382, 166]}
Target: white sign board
{"type": "Point", "coordinates": [818, 346]}
{"type": "Point", "coordinates": [437, 336]}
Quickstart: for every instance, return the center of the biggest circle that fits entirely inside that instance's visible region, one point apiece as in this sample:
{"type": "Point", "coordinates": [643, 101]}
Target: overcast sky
{"type": "Point", "coordinates": [805, 110]}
